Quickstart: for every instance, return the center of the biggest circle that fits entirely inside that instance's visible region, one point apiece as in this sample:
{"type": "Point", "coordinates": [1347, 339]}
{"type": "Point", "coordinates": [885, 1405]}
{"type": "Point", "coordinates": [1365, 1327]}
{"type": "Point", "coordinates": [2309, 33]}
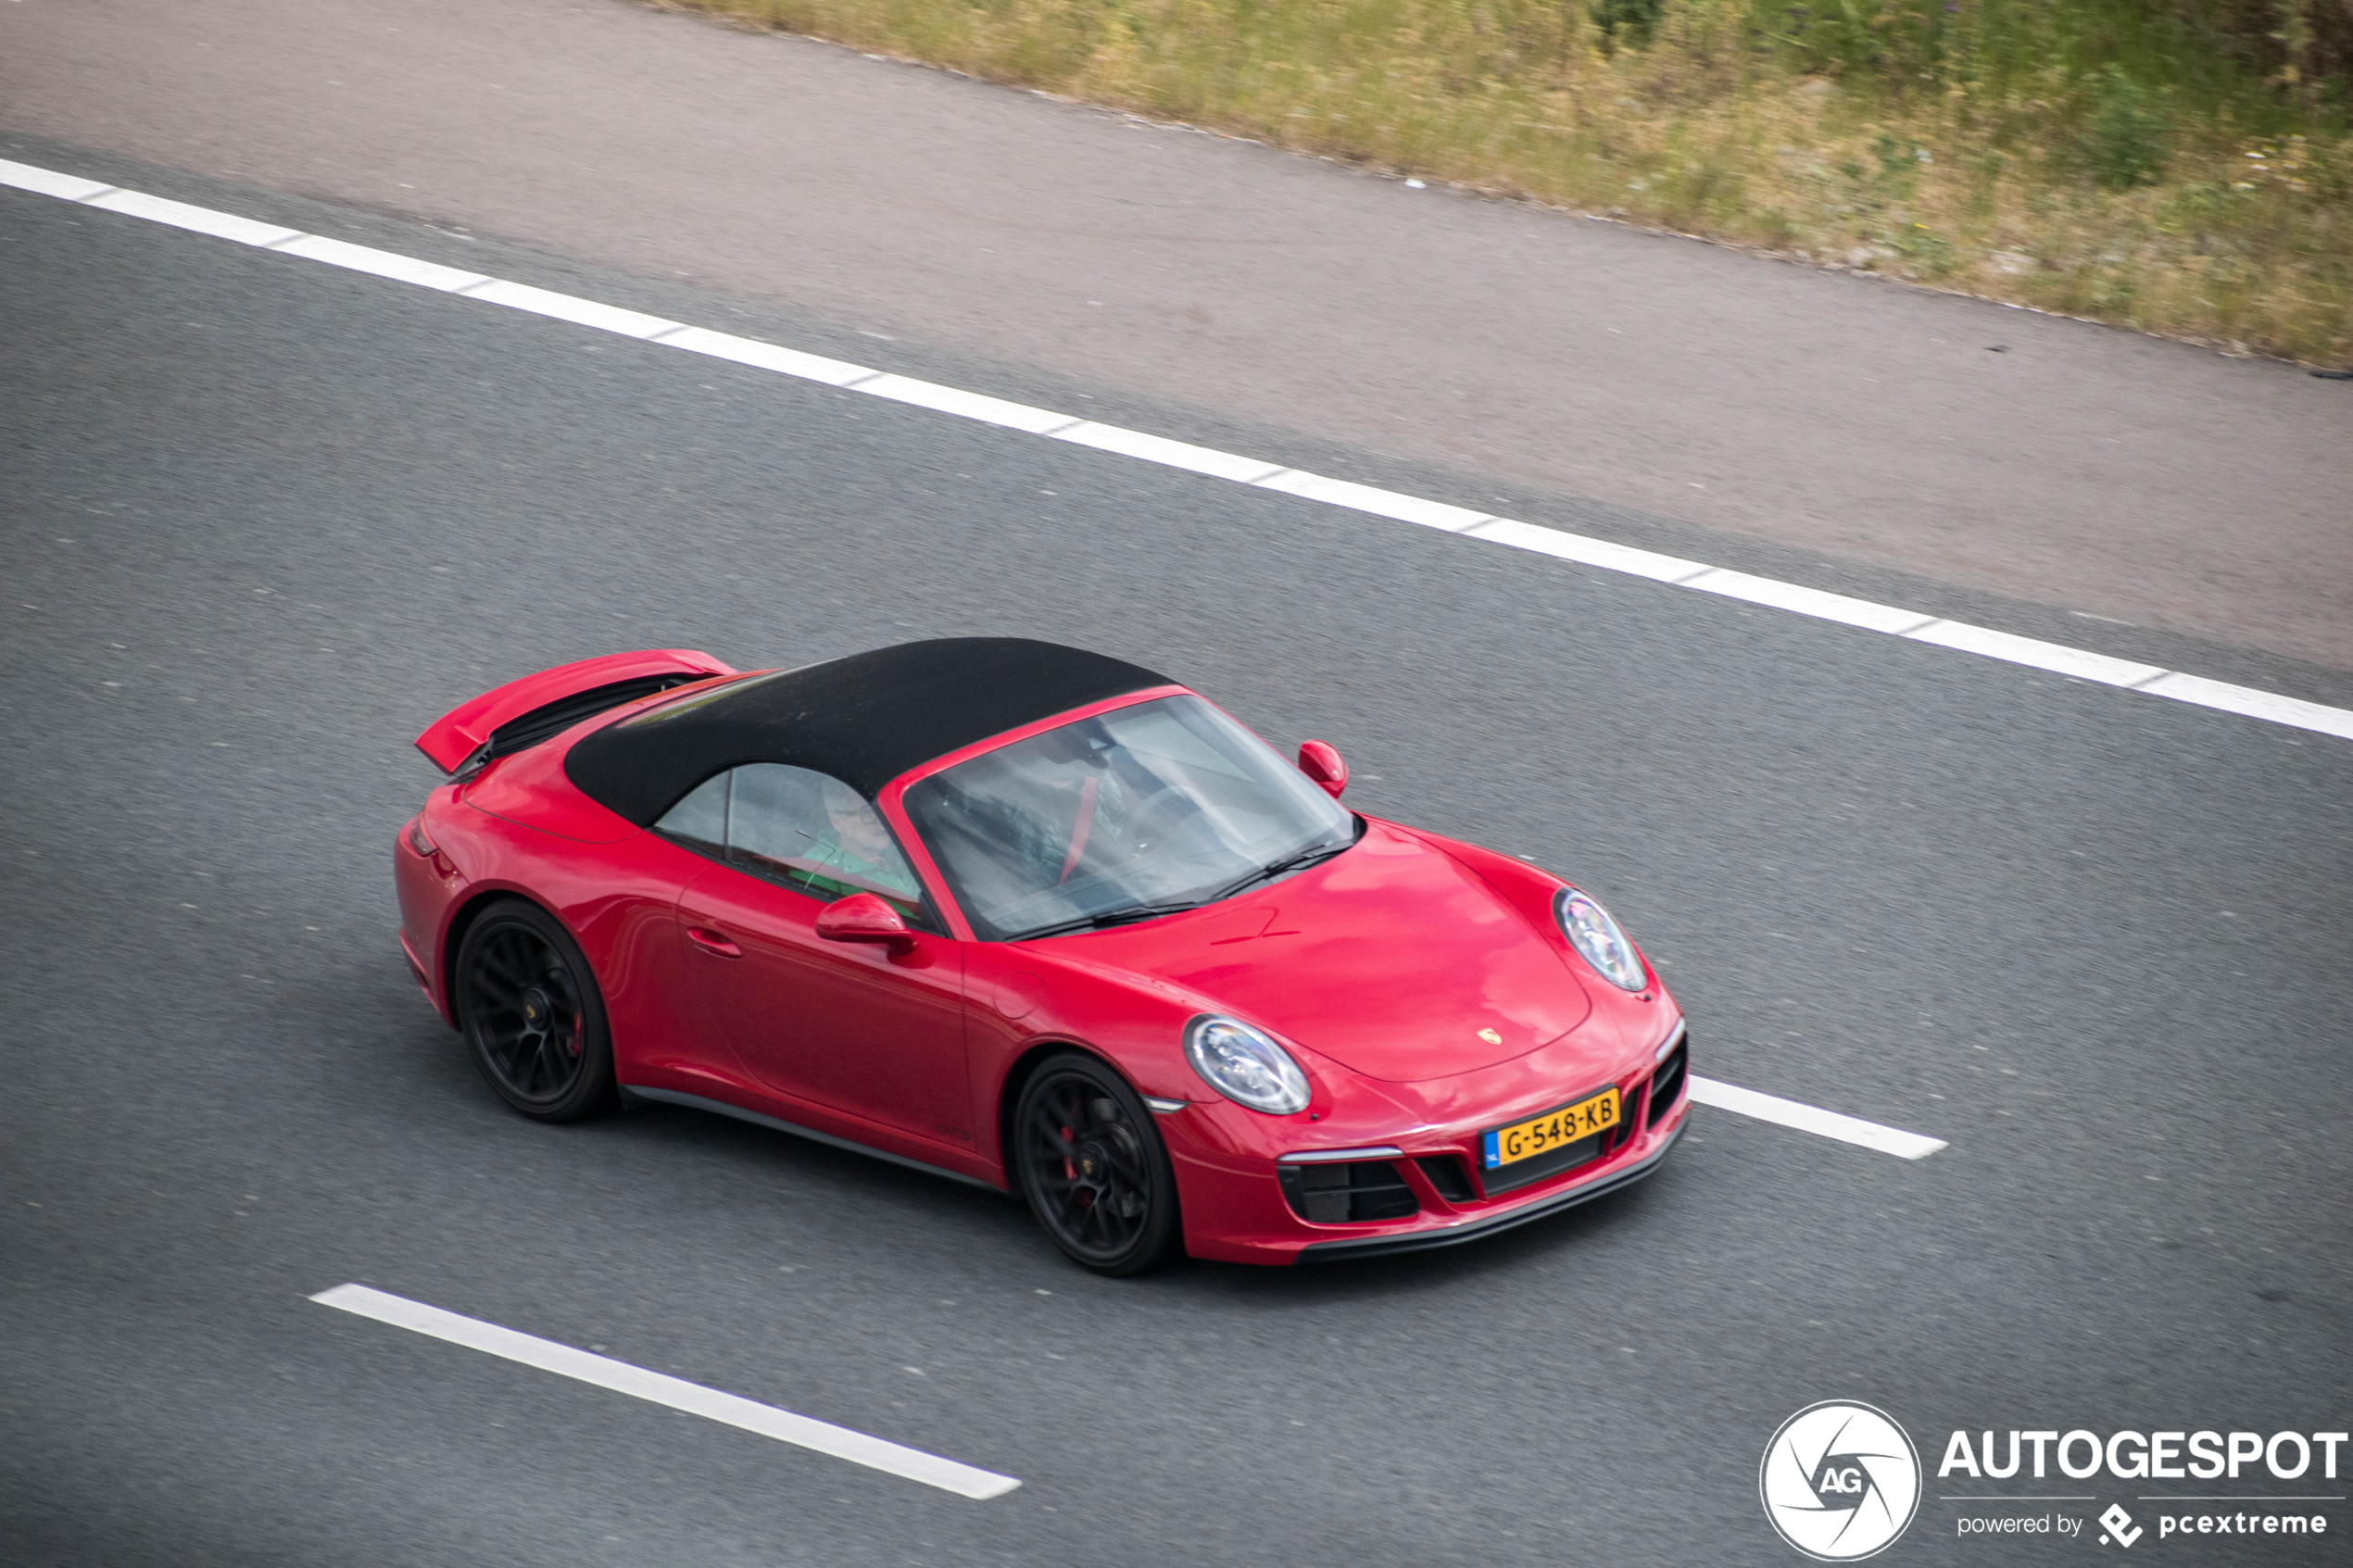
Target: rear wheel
{"type": "Point", "coordinates": [533, 1018]}
{"type": "Point", "coordinates": [1093, 1168]}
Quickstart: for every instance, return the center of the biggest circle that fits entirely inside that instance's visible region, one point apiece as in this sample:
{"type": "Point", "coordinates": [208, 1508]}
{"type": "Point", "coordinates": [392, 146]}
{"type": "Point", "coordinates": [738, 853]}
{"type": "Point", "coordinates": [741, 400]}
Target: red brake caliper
{"type": "Point", "coordinates": [1070, 1172]}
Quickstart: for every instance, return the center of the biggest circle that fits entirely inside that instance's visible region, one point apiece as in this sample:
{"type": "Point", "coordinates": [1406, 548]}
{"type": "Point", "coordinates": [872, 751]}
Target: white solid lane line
{"type": "Point", "coordinates": [2270, 707]}
{"type": "Point", "coordinates": [382, 263]}
{"type": "Point", "coordinates": [1811, 1119]}
{"type": "Point", "coordinates": [2060, 660]}
{"type": "Point", "coordinates": [678, 1394]}
{"type": "Point", "coordinates": [1206, 460]}
{"type": "Point", "coordinates": [49, 182]}
{"type": "Point", "coordinates": [198, 219]}
{"type": "Point", "coordinates": [1809, 601]}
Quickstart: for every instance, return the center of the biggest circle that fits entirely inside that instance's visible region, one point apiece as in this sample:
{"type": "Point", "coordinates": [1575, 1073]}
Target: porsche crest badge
{"type": "Point", "coordinates": [1490, 1036]}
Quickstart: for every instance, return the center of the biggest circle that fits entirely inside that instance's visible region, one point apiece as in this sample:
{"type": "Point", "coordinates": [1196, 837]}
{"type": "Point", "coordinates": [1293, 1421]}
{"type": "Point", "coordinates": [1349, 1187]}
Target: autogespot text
{"type": "Point", "coordinates": [2153, 1456]}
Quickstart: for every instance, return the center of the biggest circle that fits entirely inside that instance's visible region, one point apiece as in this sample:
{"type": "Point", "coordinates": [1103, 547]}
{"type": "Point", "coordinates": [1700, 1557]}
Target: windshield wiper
{"type": "Point", "coordinates": [1109, 917]}
{"type": "Point", "coordinates": [1273, 869]}
{"type": "Point", "coordinates": [1134, 912]}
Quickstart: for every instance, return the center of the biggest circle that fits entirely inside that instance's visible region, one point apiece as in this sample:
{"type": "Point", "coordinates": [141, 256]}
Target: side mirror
{"type": "Point", "coordinates": [1320, 760]}
{"type": "Point", "coordinates": [863, 917]}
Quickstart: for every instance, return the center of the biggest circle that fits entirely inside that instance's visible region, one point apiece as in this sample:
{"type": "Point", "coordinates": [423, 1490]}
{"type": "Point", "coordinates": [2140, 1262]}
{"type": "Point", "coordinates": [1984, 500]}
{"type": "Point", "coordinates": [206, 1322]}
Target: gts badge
{"type": "Point", "coordinates": [962, 1135]}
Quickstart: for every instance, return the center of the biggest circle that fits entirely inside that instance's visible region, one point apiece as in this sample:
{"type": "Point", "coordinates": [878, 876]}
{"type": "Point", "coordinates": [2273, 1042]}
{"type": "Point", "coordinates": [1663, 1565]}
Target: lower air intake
{"type": "Point", "coordinates": [1667, 1083]}
{"type": "Point", "coordinates": [1446, 1173]}
{"type": "Point", "coordinates": [1347, 1192]}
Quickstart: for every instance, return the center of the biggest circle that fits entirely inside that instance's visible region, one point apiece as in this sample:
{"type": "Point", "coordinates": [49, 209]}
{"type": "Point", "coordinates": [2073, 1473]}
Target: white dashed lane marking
{"type": "Point", "coordinates": [1812, 1119]}
{"type": "Point", "coordinates": [1888, 620]}
{"type": "Point", "coordinates": [801, 1431]}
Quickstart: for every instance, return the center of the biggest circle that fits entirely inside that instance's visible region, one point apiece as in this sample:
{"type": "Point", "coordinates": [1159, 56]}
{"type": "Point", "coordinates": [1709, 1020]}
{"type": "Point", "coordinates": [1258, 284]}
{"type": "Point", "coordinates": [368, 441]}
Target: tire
{"type": "Point", "coordinates": [533, 1018]}
{"type": "Point", "coordinates": [1093, 1168]}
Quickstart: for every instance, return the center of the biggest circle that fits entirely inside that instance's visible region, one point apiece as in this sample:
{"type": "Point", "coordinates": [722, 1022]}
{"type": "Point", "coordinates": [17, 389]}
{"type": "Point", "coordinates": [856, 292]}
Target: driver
{"type": "Point", "coordinates": [860, 850]}
{"type": "Point", "coordinates": [860, 842]}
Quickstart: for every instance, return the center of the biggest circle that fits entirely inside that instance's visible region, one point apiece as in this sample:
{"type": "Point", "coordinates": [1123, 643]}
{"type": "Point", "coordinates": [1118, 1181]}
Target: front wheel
{"type": "Point", "coordinates": [532, 1016]}
{"type": "Point", "coordinates": [1093, 1168]}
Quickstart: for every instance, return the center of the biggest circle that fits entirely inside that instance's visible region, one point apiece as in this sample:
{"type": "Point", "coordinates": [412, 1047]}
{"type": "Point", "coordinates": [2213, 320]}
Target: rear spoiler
{"type": "Point", "coordinates": [540, 707]}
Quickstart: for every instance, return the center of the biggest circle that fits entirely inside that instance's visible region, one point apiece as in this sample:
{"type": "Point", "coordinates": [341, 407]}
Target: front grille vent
{"type": "Point", "coordinates": [1347, 1192]}
{"type": "Point", "coordinates": [1667, 1083]}
{"type": "Point", "coordinates": [1446, 1173]}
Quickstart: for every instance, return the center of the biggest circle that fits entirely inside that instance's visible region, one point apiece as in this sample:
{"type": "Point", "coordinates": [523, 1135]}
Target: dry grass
{"type": "Point", "coordinates": [2055, 187]}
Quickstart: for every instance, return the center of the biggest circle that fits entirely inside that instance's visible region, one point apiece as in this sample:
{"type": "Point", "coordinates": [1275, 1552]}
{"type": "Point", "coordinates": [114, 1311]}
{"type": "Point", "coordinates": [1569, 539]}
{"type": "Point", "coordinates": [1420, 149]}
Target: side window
{"type": "Point", "coordinates": [700, 820]}
{"type": "Point", "coordinates": [805, 829]}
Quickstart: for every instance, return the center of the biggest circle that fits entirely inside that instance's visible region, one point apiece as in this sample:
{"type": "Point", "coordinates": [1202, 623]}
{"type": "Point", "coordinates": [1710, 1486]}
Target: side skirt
{"type": "Point", "coordinates": [695, 1102]}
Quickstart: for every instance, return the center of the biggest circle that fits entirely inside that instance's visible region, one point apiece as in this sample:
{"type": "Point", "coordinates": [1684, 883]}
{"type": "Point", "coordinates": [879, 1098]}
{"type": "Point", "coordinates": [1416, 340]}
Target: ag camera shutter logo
{"type": "Point", "coordinates": [1840, 1481]}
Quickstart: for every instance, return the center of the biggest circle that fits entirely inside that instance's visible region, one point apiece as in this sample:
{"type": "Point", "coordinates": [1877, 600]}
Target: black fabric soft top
{"type": "Point", "coordinates": [866, 718]}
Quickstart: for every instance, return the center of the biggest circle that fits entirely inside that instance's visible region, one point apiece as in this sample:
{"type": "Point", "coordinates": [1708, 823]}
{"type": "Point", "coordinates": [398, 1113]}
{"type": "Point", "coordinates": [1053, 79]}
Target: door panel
{"type": "Point", "coordinates": [852, 1026]}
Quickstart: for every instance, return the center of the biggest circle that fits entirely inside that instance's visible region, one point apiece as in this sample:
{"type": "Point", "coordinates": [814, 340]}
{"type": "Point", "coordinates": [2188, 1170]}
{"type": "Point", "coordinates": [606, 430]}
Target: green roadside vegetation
{"type": "Point", "coordinates": [2181, 167]}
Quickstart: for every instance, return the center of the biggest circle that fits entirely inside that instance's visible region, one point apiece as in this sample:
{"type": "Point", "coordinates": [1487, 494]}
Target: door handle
{"type": "Point", "coordinates": [710, 941]}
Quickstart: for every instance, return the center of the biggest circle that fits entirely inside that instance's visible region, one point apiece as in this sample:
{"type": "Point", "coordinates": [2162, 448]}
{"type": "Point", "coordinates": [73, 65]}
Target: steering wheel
{"type": "Point", "coordinates": [1159, 817]}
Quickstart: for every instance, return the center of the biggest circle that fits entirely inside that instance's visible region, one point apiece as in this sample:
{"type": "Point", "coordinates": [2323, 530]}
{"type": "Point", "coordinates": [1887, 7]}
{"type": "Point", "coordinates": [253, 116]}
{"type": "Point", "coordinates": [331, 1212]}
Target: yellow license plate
{"type": "Point", "coordinates": [1541, 1134]}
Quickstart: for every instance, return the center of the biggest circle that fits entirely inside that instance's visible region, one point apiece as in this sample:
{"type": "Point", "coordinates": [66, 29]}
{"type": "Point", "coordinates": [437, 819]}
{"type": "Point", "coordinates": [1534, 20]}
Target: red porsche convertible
{"type": "Point", "coordinates": [1037, 919]}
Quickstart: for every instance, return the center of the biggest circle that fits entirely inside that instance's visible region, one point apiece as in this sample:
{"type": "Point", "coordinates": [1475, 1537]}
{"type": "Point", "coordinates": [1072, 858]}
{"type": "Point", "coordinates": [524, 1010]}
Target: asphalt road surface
{"type": "Point", "coordinates": [2085, 469]}
{"type": "Point", "coordinates": [264, 519]}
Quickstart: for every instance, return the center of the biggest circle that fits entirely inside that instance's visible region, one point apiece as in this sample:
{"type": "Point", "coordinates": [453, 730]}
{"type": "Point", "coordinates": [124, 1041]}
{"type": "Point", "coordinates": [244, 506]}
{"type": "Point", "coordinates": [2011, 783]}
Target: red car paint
{"type": "Point", "coordinates": [1377, 970]}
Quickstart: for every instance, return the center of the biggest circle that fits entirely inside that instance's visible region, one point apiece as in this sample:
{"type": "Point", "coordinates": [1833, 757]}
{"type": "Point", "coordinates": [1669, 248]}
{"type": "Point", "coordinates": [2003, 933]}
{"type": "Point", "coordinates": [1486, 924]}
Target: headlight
{"type": "Point", "coordinates": [1245, 1066]}
{"type": "Point", "coordinates": [1596, 935]}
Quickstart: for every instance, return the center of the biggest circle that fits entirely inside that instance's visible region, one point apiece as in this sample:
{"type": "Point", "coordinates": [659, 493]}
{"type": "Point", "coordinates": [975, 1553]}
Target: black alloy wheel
{"type": "Point", "coordinates": [1093, 1168]}
{"type": "Point", "coordinates": [532, 1016]}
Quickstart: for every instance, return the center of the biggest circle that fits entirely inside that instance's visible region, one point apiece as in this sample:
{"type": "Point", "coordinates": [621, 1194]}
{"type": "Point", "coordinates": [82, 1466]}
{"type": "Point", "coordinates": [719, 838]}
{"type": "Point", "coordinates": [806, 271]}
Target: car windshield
{"type": "Point", "coordinates": [1142, 811]}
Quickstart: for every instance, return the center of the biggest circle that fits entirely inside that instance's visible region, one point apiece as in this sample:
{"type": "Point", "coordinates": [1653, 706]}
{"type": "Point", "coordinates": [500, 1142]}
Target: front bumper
{"type": "Point", "coordinates": [1614, 1176]}
{"type": "Point", "coordinates": [1235, 1208]}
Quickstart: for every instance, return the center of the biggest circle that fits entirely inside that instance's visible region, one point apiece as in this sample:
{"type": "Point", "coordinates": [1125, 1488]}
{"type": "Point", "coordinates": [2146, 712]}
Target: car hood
{"type": "Point", "coordinates": [1395, 959]}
